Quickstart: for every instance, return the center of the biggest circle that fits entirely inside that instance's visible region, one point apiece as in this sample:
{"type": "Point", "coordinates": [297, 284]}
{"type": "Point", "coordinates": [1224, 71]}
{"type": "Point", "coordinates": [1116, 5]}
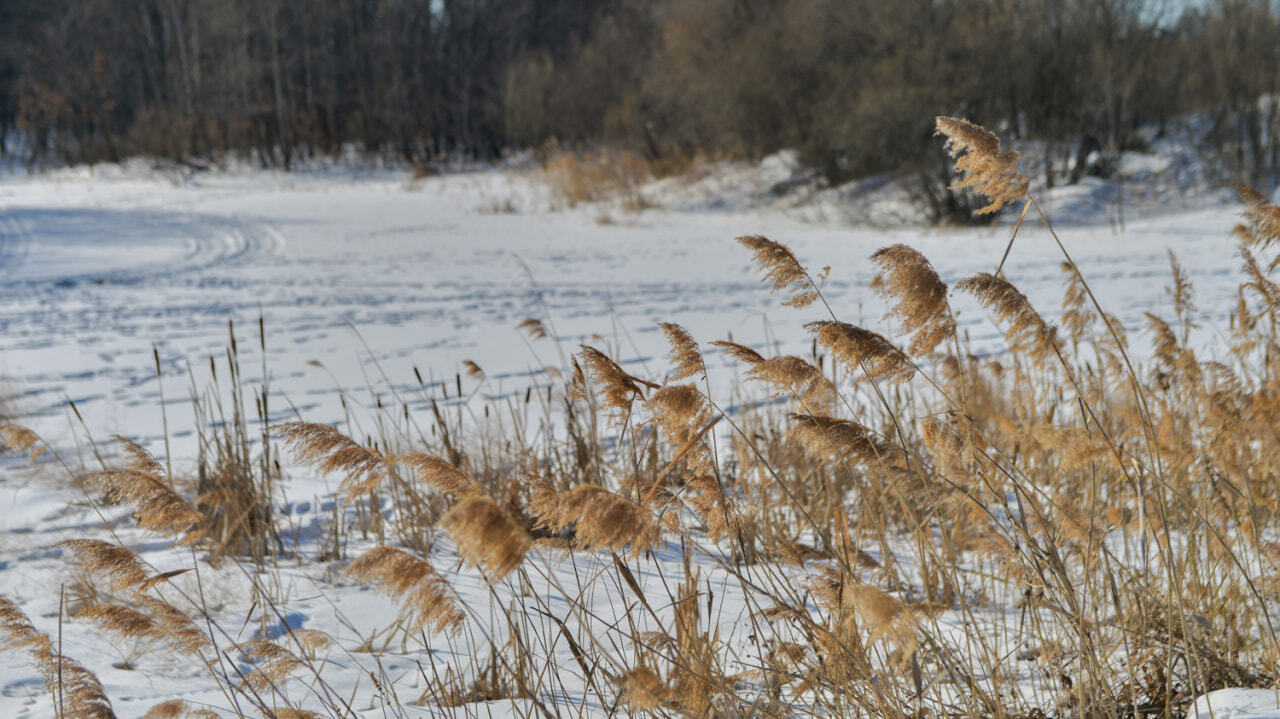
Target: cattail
{"type": "Point", "coordinates": [620, 388]}
{"type": "Point", "coordinates": [1026, 329]}
{"type": "Point", "coordinates": [781, 269]}
{"type": "Point", "coordinates": [473, 370]}
{"type": "Point", "coordinates": [685, 353]}
{"type": "Point", "coordinates": [920, 297]}
{"type": "Point", "coordinates": [833, 438]}
{"type": "Point", "coordinates": [981, 164]}
{"type": "Point", "coordinates": [534, 327]}
{"type": "Point", "coordinates": [486, 535]}
{"type": "Point", "coordinates": [1261, 227]}
{"type": "Point", "coordinates": [329, 450]}
{"type": "Point", "coordinates": [863, 349]}
{"type": "Point", "coordinates": [425, 594]}
{"type": "Point", "coordinates": [123, 568]}
{"type": "Point", "coordinates": [601, 520]}
{"type": "Point", "coordinates": [440, 475]}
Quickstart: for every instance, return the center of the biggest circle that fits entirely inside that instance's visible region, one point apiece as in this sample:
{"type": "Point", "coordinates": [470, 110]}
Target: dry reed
{"type": "Point", "coordinates": [985, 168]}
{"type": "Point", "coordinates": [425, 595]}
{"type": "Point", "coordinates": [486, 535]}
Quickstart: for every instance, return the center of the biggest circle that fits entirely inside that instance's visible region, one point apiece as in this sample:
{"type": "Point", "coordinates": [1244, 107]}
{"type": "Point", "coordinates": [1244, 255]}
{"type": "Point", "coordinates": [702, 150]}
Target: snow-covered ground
{"type": "Point", "coordinates": [360, 277]}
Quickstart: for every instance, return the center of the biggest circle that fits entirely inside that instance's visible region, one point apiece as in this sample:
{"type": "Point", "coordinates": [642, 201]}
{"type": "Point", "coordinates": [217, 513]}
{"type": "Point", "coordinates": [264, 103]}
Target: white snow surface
{"type": "Point", "coordinates": [1237, 704]}
{"type": "Point", "coordinates": [362, 276]}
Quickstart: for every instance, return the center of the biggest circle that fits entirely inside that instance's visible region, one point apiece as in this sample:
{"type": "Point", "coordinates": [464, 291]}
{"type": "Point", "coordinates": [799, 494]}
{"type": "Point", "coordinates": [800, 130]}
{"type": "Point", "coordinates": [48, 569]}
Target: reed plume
{"type": "Point", "coordinates": [440, 475]}
{"type": "Point", "coordinates": [862, 349]}
{"type": "Point", "coordinates": [781, 270]}
{"type": "Point", "coordinates": [18, 439]}
{"type": "Point", "coordinates": [620, 388]}
{"type": "Point", "coordinates": [534, 327]}
{"type": "Point", "coordinates": [172, 709]}
{"type": "Point", "coordinates": [643, 690]}
{"type": "Point", "coordinates": [742, 353]}
{"type": "Point", "coordinates": [486, 535]}
{"type": "Point", "coordinates": [981, 164]}
{"type": "Point", "coordinates": [179, 709]}
{"type": "Point", "coordinates": [77, 692]}
{"type": "Point", "coordinates": [788, 374]}
{"type": "Point", "coordinates": [1261, 226]}
{"type": "Point", "coordinates": [1077, 314]}
{"type": "Point", "coordinates": [473, 370]}
{"type": "Point", "coordinates": [425, 595]}
{"type": "Point", "coordinates": [685, 354]}
{"type": "Point", "coordinates": [1026, 330]}
{"type": "Point", "coordinates": [920, 297]}
{"type": "Point", "coordinates": [272, 663]}
{"type": "Point", "coordinates": [153, 620]}
{"type": "Point", "coordinates": [123, 568]}
{"type": "Point", "coordinates": [156, 505]}
{"type": "Point", "coordinates": [600, 519]}
{"type": "Point", "coordinates": [329, 450]}
{"type": "Point", "coordinates": [681, 411]}
{"type": "Point", "coordinates": [832, 438]}
{"type": "Point", "coordinates": [140, 460]}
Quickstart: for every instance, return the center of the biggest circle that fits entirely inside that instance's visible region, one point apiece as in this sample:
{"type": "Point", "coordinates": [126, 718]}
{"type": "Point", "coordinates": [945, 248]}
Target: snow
{"type": "Point", "coordinates": [1237, 704]}
{"type": "Point", "coordinates": [362, 275]}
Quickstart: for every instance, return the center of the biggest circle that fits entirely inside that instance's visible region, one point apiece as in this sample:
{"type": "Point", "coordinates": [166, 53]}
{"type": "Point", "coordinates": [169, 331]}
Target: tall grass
{"type": "Point", "coordinates": [910, 530]}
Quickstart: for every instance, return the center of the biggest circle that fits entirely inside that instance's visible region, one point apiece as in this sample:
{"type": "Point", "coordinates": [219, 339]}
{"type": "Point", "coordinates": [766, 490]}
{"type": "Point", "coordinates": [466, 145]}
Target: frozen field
{"type": "Point", "coordinates": [361, 277]}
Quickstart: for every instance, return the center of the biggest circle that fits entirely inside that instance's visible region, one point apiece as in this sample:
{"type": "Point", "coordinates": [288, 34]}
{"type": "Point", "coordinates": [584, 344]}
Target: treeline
{"type": "Point", "coordinates": [852, 84]}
